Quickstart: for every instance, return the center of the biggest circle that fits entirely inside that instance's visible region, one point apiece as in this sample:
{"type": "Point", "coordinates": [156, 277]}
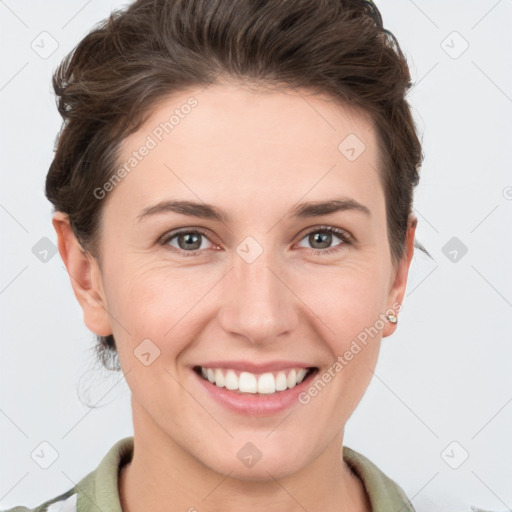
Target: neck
{"type": "Point", "coordinates": [163, 477]}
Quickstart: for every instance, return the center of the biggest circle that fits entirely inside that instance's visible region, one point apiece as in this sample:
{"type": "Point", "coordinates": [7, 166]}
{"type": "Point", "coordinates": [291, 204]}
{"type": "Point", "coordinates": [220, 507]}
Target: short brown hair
{"type": "Point", "coordinates": [107, 86]}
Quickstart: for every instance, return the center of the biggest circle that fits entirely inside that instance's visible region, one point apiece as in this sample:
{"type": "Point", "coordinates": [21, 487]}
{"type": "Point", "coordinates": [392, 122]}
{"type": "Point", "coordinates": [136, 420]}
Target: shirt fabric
{"type": "Point", "coordinates": [99, 489]}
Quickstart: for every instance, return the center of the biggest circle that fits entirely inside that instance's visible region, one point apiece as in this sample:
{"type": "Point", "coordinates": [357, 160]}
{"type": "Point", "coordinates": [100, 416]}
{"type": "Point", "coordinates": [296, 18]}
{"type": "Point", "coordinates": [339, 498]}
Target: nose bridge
{"type": "Point", "coordinates": [258, 304]}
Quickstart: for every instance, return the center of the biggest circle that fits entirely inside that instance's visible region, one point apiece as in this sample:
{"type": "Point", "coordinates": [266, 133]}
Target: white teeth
{"type": "Point", "coordinates": [281, 382]}
{"type": "Point", "coordinates": [301, 374]}
{"type": "Point", "coordinates": [247, 382]}
{"type": "Point", "coordinates": [266, 383]}
{"type": "Point", "coordinates": [231, 380]}
{"type": "Point", "coordinates": [219, 378]}
{"type": "Point", "coordinates": [292, 379]}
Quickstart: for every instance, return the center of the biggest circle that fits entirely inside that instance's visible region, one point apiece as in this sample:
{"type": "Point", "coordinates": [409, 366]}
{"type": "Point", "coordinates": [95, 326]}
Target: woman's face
{"type": "Point", "coordinates": [260, 284]}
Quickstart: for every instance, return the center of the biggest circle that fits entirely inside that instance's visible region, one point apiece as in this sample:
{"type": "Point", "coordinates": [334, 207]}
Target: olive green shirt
{"type": "Point", "coordinates": [99, 491]}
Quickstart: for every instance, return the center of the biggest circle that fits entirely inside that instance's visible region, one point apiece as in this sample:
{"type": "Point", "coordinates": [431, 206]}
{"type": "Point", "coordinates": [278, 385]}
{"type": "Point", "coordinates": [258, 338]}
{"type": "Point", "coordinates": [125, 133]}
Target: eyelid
{"type": "Point", "coordinates": [340, 232]}
{"type": "Point", "coordinates": [166, 237]}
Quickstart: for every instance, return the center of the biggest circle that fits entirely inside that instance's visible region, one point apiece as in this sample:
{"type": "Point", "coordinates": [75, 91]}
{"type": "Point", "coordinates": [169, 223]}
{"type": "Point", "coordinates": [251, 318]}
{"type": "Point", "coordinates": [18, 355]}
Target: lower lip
{"type": "Point", "coordinates": [256, 404]}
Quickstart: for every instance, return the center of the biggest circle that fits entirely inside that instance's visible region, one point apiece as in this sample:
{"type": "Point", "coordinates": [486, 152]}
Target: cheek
{"type": "Point", "coordinates": [349, 305]}
{"type": "Point", "coordinates": [349, 308]}
{"type": "Point", "coordinates": [156, 312]}
{"type": "Point", "coordinates": [348, 300]}
{"type": "Point", "coordinates": [156, 303]}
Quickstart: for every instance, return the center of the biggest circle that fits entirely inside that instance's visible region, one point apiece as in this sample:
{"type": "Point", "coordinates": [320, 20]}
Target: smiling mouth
{"type": "Point", "coordinates": [246, 382]}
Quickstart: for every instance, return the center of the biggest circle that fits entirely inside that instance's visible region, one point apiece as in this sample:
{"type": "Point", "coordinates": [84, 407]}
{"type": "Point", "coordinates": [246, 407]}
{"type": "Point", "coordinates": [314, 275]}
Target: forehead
{"type": "Point", "coordinates": [205, 143]}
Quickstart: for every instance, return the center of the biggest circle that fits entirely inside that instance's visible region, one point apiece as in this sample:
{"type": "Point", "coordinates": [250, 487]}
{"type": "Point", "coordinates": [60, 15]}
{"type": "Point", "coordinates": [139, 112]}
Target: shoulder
{"type": "Point", "coordinates": [383, 492]}
{"type": "Point", "coordinates": [98, 490]}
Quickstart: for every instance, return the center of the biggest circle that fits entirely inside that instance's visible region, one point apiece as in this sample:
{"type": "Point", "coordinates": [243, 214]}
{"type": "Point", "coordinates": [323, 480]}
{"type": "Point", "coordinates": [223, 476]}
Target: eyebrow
{"type": "Point", "coordinates": [208, 211]}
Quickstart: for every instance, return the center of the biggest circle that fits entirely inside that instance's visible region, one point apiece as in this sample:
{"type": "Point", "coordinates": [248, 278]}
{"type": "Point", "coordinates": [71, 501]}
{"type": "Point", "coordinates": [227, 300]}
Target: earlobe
{"type": "Point", "coordinates": [85, 276]}
{"type": "Point", "coordinates": [397, 290]}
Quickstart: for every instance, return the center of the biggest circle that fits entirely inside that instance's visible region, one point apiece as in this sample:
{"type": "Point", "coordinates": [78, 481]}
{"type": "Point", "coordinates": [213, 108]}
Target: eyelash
{"type": "Point", "coordinates": [343, 235]}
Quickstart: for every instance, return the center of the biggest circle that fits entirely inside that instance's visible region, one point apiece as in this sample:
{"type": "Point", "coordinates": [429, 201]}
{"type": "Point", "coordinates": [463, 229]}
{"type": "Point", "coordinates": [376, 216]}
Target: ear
{"type": "Point", "coordinates": [85, 276]}
{"type": "Point", "coordinates": [397, 289]}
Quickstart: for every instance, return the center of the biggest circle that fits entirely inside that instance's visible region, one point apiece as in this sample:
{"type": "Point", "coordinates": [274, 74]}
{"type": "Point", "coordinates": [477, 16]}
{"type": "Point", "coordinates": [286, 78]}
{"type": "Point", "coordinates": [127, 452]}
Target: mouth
{"type": "Point", "coordinates": [248, 383]}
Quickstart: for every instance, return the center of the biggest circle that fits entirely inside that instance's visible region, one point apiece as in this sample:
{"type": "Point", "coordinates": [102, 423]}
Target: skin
{"type": "Point", "coordinates": [254, 154]}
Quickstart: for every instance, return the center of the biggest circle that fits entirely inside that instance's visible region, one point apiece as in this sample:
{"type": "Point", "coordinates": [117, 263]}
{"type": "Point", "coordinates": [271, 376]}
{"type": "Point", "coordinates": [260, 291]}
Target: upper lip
{"type": "Point", "coordinates": [247, 366]}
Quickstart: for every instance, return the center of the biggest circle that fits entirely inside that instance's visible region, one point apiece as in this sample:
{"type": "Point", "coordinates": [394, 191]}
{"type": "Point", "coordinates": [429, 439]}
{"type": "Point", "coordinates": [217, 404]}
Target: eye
{"type": "Point", "coordinates": [323, 236]}
{"type": "Point", "coordinates": [189, 242]}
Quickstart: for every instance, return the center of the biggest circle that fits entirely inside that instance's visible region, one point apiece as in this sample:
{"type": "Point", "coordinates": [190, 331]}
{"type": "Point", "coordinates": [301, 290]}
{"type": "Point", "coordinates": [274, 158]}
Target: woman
{"type": "Point", "coordinates": [233, 190]}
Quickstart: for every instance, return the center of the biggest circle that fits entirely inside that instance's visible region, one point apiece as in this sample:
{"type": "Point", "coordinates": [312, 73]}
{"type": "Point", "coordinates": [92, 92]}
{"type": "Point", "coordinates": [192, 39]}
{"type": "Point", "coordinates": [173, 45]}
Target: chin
{"type": "Point", "coordinates": [271, 464]}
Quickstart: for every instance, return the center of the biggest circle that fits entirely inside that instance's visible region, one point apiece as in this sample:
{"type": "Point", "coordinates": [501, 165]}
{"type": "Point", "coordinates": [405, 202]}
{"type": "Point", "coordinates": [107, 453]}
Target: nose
{"type": "Point", "coordinates": [257, 302]}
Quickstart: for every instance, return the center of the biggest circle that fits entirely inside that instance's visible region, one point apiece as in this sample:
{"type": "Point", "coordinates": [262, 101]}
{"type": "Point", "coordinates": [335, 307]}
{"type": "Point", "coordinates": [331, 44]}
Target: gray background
{"type": "Point", "coordinates": [437, 416]}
